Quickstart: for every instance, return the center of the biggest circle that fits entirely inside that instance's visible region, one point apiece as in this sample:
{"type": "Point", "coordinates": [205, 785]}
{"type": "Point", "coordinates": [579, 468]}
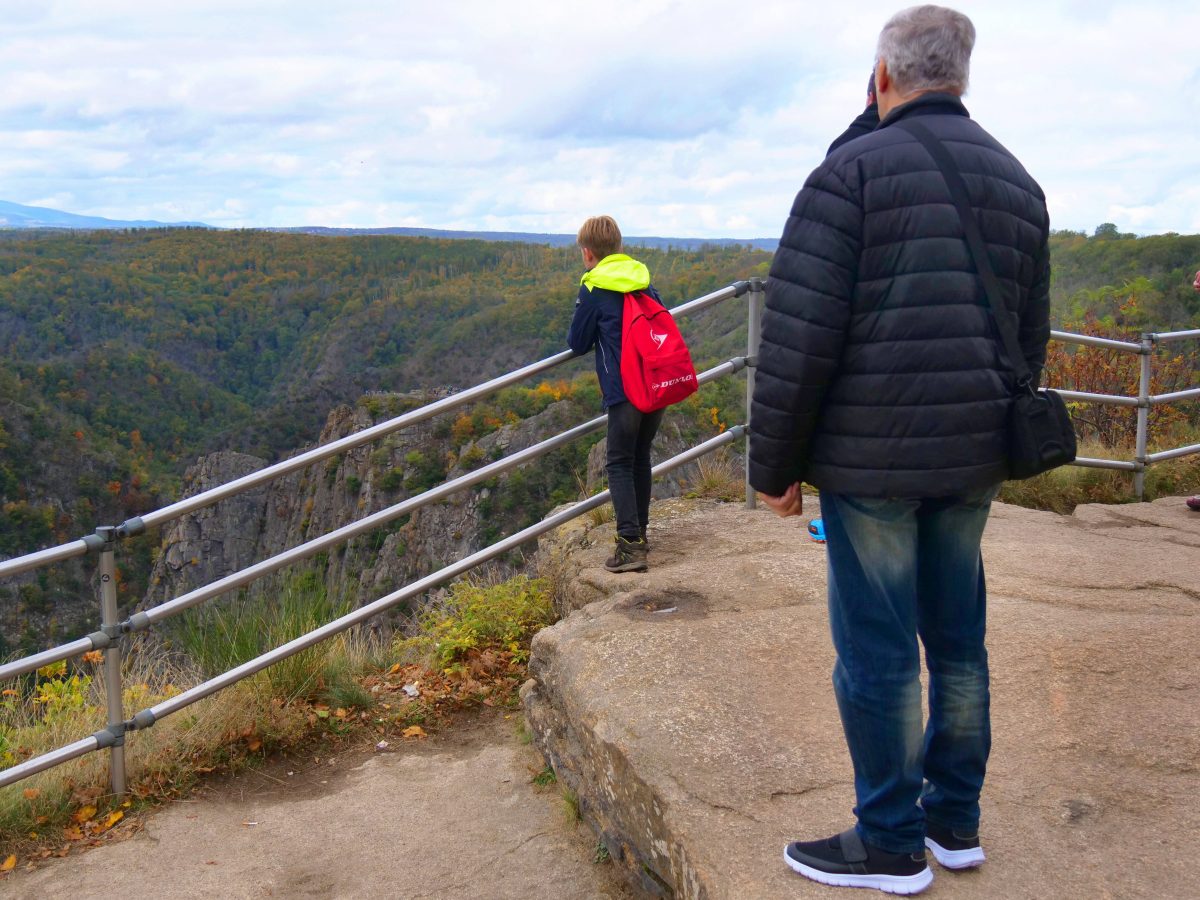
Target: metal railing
{"type": "Point", "coordinates": [1143, 401]}
{"type": "Point", "coordinates": [104, 541]}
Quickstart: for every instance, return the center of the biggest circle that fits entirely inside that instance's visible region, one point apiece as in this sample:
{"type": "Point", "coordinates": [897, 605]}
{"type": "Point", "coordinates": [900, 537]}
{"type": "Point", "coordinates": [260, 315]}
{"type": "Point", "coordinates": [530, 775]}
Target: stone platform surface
{"type": "Point", "coordinates": [692, 712]}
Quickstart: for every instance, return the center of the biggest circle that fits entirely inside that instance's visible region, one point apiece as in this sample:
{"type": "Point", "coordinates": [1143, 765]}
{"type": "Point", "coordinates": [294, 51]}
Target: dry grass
{"type": "Point", "coordinates": [601, 515]}
{"type": "Point", "coordinates": [718, 476]}
{"type": "Point", "coordinates": [1061, 490]}
{"type": "Point", "coordinates": [161, 762]}
{"type": "Point", "coordinates": [477, 636]}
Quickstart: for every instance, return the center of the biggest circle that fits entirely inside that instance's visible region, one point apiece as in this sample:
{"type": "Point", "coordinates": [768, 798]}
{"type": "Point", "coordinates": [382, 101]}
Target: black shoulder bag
{"type": "Point", "coordinates": [1040, 433]}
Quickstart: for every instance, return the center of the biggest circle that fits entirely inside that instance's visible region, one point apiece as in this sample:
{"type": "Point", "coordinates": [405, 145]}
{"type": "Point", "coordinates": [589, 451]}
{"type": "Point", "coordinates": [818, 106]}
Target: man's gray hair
{"type": "Point", "coordinates": [928, 48]}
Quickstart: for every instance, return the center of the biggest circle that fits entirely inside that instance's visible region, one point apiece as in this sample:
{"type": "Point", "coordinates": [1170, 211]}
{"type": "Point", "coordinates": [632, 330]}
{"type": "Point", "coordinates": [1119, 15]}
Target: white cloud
{"type": "Point", "coordinates": [688, 118]}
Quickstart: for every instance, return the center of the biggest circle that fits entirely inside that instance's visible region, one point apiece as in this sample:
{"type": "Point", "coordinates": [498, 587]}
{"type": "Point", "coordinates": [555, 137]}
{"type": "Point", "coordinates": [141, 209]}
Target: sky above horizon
{"type": "Point", "coordinates": [687, 119]}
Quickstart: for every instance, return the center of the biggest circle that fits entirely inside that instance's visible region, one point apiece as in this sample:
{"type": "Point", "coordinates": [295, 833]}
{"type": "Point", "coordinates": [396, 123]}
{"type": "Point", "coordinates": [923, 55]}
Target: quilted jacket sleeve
{"type": "Point", "coordinates": [809, 292]}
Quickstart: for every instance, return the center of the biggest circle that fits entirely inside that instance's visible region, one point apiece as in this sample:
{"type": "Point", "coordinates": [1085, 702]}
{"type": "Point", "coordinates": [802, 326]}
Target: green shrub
{"type": "Point", "coordinates": [476, 616]}
{"type": "Point", "coordinates": [391, 480]}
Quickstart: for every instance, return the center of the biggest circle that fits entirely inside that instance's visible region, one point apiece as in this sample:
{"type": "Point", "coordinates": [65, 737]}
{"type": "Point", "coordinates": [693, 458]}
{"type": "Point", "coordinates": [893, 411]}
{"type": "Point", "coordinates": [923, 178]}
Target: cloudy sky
{"type": "Point", "coordinates": [697, 118]}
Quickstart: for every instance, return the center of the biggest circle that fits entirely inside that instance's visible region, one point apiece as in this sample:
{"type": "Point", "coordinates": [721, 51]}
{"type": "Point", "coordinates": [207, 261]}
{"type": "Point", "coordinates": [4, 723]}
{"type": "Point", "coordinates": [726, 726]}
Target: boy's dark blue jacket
{"type": "Point", "coordinates": [599, 312]}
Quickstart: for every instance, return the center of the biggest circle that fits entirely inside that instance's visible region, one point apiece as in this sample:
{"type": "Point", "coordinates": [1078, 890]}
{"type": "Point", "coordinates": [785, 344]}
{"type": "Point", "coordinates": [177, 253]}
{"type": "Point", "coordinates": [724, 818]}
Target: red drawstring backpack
{"type": "Point", "coordinates": [656, 367]}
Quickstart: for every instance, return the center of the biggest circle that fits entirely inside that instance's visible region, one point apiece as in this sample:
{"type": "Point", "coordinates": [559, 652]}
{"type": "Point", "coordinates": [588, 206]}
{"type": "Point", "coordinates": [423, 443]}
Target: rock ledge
{"type": "Point", "coordinates": [690, 709]}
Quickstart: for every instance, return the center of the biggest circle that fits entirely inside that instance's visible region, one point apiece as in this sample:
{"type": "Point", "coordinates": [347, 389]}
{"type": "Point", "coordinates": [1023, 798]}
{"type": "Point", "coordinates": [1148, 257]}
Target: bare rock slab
{"type": "Point", "coordinates": [691, 711]}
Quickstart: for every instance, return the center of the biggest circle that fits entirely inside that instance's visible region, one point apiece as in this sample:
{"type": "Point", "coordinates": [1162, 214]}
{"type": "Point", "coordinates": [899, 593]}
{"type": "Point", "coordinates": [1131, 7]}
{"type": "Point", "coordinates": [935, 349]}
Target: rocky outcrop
{"type": "Point", "coordinates": [691, 712]}
{"type": "Point", "coordinates": [217, 540]}
{"type": "Point", "coordinates": [260, 523]}
{"type": "Point", "coordinates": [234, 533]}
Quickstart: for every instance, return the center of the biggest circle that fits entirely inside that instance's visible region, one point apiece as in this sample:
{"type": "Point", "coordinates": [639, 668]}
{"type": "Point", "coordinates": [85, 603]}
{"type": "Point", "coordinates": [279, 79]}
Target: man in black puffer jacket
{"type": "Point", "coordinates": [882, 381]}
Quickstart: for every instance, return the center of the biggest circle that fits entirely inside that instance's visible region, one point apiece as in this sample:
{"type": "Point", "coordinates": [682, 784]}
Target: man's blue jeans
{"type": "Point", "coordinates": [899, 569]}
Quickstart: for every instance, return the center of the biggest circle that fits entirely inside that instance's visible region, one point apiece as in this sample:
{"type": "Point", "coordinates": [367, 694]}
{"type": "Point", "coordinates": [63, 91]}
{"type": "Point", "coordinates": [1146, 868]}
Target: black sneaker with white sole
{"type": "Point", "coordinates": [845, 861]}
{"type": "Point", "coordinates": [954, 848]}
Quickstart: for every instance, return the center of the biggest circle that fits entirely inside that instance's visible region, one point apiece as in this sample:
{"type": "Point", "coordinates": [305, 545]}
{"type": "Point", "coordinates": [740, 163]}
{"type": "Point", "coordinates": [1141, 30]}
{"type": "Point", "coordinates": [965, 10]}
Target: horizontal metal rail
{"type": "Point", "coordinates": [1085, 397]}
{"type": "Point", "coordinates": [44, 557]}
{"type": "Point", "coordinates": [1172, 454]}
{"type": "Point", "coordinates": [148, 717]}
{"type": "Point", "coordinates": [1167, 337]}
{"type": "Point", "coordinates": [1176, 396]}
{"type": "Point", "coordinates": [51, 656]}
{"type": "Point", "coordinates": [1090, 463]}
{"type": "Point", "coordinates": [229, 489]}
{"type": "Point", "coordinates": [1070, 337]}
{"type": "Point", "coordinates": [54, 758]}
{"type": "Point", "coordinates": [143, 620]}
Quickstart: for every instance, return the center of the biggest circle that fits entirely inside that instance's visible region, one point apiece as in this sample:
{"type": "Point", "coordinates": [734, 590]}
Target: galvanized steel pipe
{"type": "Point", "coordinates": [149, 716]}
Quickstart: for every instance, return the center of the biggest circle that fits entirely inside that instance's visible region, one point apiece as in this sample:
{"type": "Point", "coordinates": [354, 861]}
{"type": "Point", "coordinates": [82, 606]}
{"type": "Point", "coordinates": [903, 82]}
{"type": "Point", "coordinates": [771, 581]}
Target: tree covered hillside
{"type": "Point", "coordinates": [128, 354]}
{"type": "Point", "coordinates": [1094, 277]}
{"type": "Point", "coordinates": [200, 339]}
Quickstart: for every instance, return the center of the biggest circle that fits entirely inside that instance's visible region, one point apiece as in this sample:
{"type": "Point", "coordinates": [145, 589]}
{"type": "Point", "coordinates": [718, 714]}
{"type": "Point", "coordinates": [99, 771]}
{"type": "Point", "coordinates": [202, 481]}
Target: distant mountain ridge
{"type": "Point", "coordinates": [536, 237]}
{"type": "Point", "coordinates": [16, 216]}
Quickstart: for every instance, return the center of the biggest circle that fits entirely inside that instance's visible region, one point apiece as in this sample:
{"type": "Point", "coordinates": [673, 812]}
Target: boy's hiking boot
{"type": "Point", "coordinates": [629, 556]}
{"type": "Point", "coordinates": [953, 848]}
{"type": "Point", "coordinates": [845, 861]}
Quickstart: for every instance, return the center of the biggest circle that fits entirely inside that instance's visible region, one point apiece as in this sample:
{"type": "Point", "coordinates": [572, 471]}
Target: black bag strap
{"type": "Point", "coordinates": [991, 286]}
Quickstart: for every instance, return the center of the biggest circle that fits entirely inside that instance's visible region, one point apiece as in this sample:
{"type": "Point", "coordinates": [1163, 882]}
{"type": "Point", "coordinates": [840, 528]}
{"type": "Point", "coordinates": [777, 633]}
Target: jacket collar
{"type": "Point", "coordinates": [932, 104]}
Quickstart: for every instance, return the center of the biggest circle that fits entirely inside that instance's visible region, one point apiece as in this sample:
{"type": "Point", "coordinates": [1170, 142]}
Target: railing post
{"type": "Point", "coordinates": [753, 338]}
{"type": "Point", "coordinates": [1143, 415]}
{"type": "Point", "coordinates": [110, 624]}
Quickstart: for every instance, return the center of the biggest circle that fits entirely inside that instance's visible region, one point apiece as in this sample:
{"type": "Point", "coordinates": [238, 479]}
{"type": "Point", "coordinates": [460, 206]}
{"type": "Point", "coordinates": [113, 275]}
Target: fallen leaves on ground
{"type": "Point", "coordinates": [82, 814]}
{"type": "Point", "coordinates": [8, 864]}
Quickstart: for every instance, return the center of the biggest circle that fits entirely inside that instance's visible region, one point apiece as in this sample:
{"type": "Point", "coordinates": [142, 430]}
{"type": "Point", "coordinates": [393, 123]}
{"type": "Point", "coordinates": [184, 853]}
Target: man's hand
{"type": "Point", "coordinates": [790, 504]}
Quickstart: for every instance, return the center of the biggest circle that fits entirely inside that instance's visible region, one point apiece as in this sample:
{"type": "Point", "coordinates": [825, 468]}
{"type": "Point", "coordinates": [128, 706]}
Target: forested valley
{"type": "Point", "coordinates": [127, 355]}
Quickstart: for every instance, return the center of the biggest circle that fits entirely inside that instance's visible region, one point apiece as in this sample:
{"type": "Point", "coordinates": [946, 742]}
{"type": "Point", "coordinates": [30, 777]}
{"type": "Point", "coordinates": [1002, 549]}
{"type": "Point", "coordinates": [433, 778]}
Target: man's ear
{"type": "Point", "coordinates": [883, 79]}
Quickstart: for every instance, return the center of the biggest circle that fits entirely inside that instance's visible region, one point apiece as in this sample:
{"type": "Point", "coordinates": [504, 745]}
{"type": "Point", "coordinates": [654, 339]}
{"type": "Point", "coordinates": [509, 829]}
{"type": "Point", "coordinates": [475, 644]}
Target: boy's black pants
{"type": "Point", "coordinates": [630, 433]}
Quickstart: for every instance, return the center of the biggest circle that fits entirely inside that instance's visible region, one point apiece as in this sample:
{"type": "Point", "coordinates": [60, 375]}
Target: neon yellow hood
{"type": "Point", "coordinates": [617, 272]}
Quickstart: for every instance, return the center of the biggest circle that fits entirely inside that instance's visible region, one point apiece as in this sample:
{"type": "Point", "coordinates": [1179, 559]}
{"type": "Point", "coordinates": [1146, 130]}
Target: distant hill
{"type": "Point", "coordinates": [14, 215]}
{"type": "Point", "coordinates": [535, 237]}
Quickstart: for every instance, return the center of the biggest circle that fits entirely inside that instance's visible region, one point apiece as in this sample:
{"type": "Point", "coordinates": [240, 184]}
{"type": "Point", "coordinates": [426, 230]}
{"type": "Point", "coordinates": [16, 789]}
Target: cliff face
{"type": "Point", "coordinates": [260, 523]}
{"type": "Point", "coordinates": [222, 539]}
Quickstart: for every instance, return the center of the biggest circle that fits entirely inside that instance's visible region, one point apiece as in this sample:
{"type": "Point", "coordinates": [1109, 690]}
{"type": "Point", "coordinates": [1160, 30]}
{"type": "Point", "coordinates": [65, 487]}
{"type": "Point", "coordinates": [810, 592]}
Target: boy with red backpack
{"type": "Point", "coordinates": [599, 315]}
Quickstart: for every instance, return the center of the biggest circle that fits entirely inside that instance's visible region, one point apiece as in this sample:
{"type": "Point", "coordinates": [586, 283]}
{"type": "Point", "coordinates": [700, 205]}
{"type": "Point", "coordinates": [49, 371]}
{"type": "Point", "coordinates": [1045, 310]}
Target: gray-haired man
{"type": "Point", "coordinates": [881, 381]}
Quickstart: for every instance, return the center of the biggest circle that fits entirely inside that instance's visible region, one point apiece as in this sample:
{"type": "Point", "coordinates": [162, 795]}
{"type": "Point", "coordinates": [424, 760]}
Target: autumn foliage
{"type": "Point", "coordinates": [1099, 370]}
